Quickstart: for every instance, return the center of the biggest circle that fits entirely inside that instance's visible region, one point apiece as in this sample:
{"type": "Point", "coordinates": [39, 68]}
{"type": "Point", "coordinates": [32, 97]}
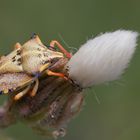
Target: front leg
{"type": "Point", "coordinates": [49, 72]}
{"type": "Point", "coordinates": [54, 42]}
{"type": "Point", "coordinates": [35, 88]}
{"type": "Point", "coordinates": [22, 93]}
{"type": "Point", "coordinates": [26, 90]}
{"type": "Point", "coordinates": [42, 68]}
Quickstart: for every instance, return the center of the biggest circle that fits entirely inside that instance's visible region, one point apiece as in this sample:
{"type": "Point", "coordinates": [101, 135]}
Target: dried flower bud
{"type": "Point", "coordinates": [57, 101]}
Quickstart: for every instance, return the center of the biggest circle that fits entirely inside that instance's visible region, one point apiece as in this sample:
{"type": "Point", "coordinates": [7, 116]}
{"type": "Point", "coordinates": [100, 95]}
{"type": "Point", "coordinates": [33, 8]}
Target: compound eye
{"type": "Point", "coordinates": [54, 60]}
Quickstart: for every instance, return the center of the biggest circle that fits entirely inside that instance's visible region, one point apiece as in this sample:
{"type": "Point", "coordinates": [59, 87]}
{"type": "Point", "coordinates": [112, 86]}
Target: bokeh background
{"type": "Point", "coordinates": [111, 112]}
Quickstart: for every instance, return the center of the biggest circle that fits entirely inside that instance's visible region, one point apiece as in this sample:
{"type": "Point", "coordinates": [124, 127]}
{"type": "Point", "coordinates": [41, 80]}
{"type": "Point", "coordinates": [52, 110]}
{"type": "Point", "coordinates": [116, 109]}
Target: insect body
{"type": "Point", "coordinates": [31, 60]}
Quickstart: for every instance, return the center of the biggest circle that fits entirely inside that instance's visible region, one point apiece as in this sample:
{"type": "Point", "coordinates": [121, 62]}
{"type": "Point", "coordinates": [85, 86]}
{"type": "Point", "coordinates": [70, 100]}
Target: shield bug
{"type": "Point", "coordinates": [27, 63]}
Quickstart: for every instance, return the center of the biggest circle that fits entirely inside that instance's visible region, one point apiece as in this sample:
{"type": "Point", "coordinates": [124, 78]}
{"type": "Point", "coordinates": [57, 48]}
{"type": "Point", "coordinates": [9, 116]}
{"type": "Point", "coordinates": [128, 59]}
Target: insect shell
{"type": "Point", "coordinates": [28, 58]}
{"type": "Point", "coordinates": [25, 64]}
{"type": "Point", "coordinates": [35, 54]}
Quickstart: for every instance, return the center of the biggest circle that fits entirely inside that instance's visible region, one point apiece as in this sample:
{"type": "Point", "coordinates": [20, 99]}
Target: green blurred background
{"type": "Point", "coordinates": [117, 116]}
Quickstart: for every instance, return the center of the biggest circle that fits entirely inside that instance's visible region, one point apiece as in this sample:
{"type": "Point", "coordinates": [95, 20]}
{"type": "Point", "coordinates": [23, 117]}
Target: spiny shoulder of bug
{"type": "Point", "coordinates": [29, 57]}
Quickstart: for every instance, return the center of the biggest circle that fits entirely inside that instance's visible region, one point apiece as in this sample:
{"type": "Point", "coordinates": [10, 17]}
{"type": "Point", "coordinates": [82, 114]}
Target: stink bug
{"type": "Point", "coordinates": [26, 63]}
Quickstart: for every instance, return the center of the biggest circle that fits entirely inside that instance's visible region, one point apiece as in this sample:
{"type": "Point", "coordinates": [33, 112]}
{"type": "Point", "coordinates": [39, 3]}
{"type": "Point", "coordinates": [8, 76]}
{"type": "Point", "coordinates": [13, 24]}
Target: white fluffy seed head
{"type": "Point", "coordinates": [103, 58]}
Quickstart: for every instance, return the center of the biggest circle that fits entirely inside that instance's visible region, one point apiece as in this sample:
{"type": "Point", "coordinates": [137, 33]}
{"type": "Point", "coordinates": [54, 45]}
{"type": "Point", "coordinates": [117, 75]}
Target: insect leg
{"type": "Point", "coordinates": [49, 72]}
{"type": "Point", "coordinates": [22, 93]}
{"type": "Point", "coordinates": [54, 42]}
{"type": "Point", "coordinates": [43, 67]}
{"type": "Point", "coordinates": [35, 88]}
{"type": "Point", "coordinates": [18, 46]}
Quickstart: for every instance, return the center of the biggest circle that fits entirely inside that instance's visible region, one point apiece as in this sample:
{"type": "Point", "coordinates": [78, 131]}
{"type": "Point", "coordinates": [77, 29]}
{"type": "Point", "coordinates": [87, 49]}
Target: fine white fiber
{"type": "Point", "coordinates": [103, 58]}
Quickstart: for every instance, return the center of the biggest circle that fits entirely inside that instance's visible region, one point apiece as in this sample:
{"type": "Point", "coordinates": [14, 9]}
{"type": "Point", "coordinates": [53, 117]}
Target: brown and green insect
{"type": "Point", "coordinates": [23, 66]}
